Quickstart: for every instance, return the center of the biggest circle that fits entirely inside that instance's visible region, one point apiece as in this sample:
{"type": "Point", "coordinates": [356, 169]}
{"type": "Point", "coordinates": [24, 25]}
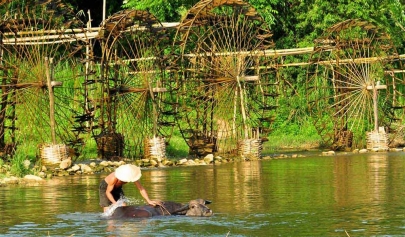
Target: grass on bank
{"type": "Point", "coordinates": [293, 135]}
{"type": "Point", "coordinates": [295, 142]}
{"type": "Point", "coordinates": [20, 164]}
{"type": "Point", "coordinates": [293, 138]}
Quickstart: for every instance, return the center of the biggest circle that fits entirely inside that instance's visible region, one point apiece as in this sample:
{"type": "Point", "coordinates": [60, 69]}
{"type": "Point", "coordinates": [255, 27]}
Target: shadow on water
{"type": "Point", "coordinates": [310, 196]}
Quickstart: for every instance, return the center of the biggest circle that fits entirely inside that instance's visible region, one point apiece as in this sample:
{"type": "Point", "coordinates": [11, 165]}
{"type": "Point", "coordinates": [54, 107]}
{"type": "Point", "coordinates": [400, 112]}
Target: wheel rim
{"type": "Point", "coordinates": [32, 48]}
{"type": "Point", "coordinates": [135, 86]}
{"type": "Point", "coordinates": [349, 62]}
{"type": "Point", "coordinates": [225, 96]}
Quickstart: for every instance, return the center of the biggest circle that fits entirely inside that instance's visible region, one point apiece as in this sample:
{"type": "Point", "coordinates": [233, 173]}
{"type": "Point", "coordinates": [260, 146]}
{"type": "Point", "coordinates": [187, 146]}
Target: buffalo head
{"type": "Point", "coordinates": [195, 208]}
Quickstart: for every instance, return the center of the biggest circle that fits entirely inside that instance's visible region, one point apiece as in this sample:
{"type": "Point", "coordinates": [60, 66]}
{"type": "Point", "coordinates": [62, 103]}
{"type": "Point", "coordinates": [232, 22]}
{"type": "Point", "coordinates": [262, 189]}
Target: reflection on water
{"type": "Point", "coordinates": [362, 194]}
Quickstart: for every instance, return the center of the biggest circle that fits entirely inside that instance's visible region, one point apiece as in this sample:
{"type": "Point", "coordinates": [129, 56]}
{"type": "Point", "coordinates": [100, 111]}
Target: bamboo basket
{"type": "Point", "coordinates": [155, 148]}
{"type": "Point", "coordinates": [377, 140]}
{"type": "Point", "coordinates": [344, 139]}
{"type": "Point", "coordinates": [201, 145]}
{"type": "Point", "coordinates": [250, 148]}
{"type": "Point", "coordinates": [53, 154]}
{"type": "Point", "coordinates": [110, 145]}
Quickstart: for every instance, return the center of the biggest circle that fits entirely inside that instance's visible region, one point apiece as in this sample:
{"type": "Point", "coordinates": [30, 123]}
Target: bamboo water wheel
{"type": "Point", "coordinates": [353, 85]}
{"type": "Point", "coordinates": [38, 72]}
{"type": "Point", "coordinates": [136, 101]}
{"type": "Point", "coordinates": [227, 91]}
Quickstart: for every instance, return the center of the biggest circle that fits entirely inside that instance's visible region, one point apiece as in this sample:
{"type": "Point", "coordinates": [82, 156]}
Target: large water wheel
{"type": "Point", "coordinates": [136, 103]}
{"type": "Point", "coordinates": [38, 72]}
{"type": "Point", "coordinates": [227, 92]}
{"type": "Point", "coordinates": [352, 84]}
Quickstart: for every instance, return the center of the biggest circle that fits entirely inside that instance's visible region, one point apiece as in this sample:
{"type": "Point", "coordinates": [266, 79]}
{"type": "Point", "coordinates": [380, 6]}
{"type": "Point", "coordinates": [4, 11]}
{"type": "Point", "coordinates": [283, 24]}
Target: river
{"type": "Point", "coordinates": [342, 195]}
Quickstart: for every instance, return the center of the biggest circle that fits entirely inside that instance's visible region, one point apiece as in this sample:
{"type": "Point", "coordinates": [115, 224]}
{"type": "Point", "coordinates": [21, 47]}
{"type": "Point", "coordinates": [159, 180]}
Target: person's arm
{"type": "Point", "coordinates": [144, 194]}
{"type": "Point", "coordinates": [109, 189]}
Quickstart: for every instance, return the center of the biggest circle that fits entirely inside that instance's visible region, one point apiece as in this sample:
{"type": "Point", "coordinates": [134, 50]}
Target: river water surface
{"type": "Point", "coordinates": [344, 195]}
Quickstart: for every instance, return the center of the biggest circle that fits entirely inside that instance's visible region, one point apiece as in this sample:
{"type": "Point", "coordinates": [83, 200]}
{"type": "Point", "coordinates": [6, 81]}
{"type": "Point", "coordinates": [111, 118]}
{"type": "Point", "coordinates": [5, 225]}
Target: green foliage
{"type": "Point", "coordinates": [20, 163]}
{"type": "Point", "coordinates": [177, 147]}
{"type": "Point", "coordinates": [315, 16]}
{"type": "Point", "coordinates": [267, 9]}
{"type": "Point", "coordinates": [295, 23]}
{"type": "Point", "coordinates": [163, 10]}
{"type": "Point", "coordinates": [294, 136]}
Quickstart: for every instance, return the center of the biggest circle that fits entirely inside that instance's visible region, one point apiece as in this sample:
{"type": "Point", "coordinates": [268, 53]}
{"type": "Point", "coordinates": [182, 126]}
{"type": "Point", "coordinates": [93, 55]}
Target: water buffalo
{"type": "Point", "coordinates": [193, 208]}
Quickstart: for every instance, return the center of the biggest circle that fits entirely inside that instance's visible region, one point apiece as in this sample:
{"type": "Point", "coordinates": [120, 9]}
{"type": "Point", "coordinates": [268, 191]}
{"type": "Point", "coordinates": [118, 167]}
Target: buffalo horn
{"type": "Point", "coordinates": [181, 209]}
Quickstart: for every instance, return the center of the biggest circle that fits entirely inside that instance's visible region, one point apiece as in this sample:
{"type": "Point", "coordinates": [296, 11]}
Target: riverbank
{"type": "Point", "coordinates": [67, 167]}
{"type": "Point", "coordinates": [92, 166]}
{"type": "Point", "coordinates": [25, 161]}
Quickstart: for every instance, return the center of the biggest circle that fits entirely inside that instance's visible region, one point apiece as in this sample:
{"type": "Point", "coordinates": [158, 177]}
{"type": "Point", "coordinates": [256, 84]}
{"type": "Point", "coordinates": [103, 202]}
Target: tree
{"type": "Point", "coordinates": [168, 11]}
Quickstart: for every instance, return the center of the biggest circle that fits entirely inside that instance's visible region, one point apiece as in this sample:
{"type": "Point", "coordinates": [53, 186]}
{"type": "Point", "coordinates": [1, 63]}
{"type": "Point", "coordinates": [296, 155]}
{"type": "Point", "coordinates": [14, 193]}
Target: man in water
{"type": "Point", "coordinates": [110, 189]}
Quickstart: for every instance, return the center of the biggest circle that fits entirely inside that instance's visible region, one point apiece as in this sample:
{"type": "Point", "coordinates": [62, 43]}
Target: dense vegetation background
{"type": "Point", "coordinates": [294, 24]}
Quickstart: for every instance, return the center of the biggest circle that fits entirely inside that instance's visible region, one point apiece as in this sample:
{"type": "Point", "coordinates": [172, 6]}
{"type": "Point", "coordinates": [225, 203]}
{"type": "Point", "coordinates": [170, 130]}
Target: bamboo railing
{"type": "Point", "coordinates": [70, 35]}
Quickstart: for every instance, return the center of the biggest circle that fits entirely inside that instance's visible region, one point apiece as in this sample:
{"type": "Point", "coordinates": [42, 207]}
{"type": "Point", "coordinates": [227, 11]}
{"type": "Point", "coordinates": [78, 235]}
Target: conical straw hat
{"type": "Point", "coordinates": [128, 173]}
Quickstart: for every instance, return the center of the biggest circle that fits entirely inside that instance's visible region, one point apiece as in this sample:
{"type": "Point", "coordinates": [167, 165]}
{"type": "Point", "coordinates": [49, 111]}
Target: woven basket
{"type": "Point", "coordinates": [377, 140]}
{"type": "Point", "coordinates": [250, 148]}
{"type": "Point", "coordinates": [53, 154]}
{"type": "Point", "coordinates": [110, 145]}
{"type": "Point", "coordinates": [155, 148]}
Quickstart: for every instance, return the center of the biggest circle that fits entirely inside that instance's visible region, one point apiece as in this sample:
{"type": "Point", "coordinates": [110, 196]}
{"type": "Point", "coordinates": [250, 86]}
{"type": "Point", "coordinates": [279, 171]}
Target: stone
{"type": "Point", "coordinates": [190, 162]}
{"type": "Point", "coordinates": [121, 162]}
{"type": "Point", "coordinates": [328, 153]}
{"type": "Point", "coordinates": [153, 162]}
{"type": "Point", "coordinates": [86, 169]}
{"type": "Point", "coordinates": [138, 163]}
{"type": "Point", "coordinates": [209, 158]}
{"type": "Point", "coordinates": [168, 163]}
{"type": "Point", "coordinates": [363, 151]}
{"type": "Point", "coordinates": [11, 180]}
{"type": "Point", "coordinates": [117, 163]}
{"type": "Point", "coordinates": [42, 174]}
{"type": "Point", "coordinates": [31, 177]}
{"type": "Point", "coordinates": [64, 164]}
{"type": "Point", "coordinates": [76, 168]}
{"type": "Point", "coordinates": [182, 161]}
{"type": "Point", "coordinates": [160, 165]}
{"type": "Point", "coordinates": [104, 163]}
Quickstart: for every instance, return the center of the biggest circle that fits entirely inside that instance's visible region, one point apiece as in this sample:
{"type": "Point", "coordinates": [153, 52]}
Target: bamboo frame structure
{"type": "Point", "coordinates": [128, 69]}
{"type": "Point", "coordinates": [342, 82]}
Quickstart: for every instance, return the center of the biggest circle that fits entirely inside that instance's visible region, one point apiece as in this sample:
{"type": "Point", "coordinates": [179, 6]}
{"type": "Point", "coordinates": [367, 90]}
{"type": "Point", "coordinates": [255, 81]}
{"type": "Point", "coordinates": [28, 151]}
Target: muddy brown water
{"type": "Point", "coordinates": [347, 194]}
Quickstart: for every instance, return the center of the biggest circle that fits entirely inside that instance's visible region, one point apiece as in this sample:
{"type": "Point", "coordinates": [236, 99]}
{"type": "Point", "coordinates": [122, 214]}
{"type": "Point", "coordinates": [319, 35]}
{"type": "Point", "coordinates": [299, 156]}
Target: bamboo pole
{"type": "Point", "coordinates": [48, 66]}
{"type": "Point", "coordinates": [90, 34]}
{"type": "Point", "coordinates": [87, 71]}
{"type": "Point", "coordinates": [4, 94]}
{"type": "Point", "coordinates": [49, 39]}
{"type": "Point", "coordinates": [154, 106]}
{"type": "Point", "coordinates": [93, 32]}
{"type": "Point", "coordinates": [375, 108]}
{"type": "Point", "coordinates": [59, 32]}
